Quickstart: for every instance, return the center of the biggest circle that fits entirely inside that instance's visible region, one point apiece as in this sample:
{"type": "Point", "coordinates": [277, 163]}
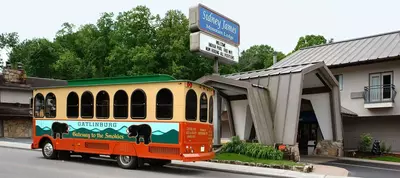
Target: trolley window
{"type": "Point", "coordinates": [203, 107]}
{"type": "Point", "coordinates": [39, 105]}
{"type": "Point", "coordinates": [102, 105]}
{"type": "Point", "coordinates": [87, 105]}
{"type": "Point", "coordinates": [138, 104]}
{"type": "Point", "coordinates": [72, 105]}
{"type": "Point", "coordinates": [191, 106]}
{"type": "Point", "coordinates": [121, 105]}
{"type": "Point", "coordinates": [164, 108]}
{"type": "Point", "coordinates": [50, 106]}
{"type": "Point", "coordinates": [211, 113]}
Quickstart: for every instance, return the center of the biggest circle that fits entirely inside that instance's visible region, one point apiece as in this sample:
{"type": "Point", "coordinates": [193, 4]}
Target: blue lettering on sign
{"type": "Point", "coordinates": [218, 25]}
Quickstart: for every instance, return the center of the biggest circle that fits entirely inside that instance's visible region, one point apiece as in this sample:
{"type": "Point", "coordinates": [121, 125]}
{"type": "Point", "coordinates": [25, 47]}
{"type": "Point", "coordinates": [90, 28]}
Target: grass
{"type": "Point", "coordinates": [244, 158]}
{"type": "Point", "coordinates": [387, 158]}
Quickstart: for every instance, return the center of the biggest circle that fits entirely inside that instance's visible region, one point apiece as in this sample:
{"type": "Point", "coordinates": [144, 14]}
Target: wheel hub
{"type": "Point", "coordinates": [48, 149]}
{"type": "Point", "coordinates": [126, 159]}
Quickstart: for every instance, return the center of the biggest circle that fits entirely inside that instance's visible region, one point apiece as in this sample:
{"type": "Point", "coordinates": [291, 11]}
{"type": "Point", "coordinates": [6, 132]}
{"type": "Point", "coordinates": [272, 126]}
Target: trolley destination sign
{"type": "Point", "coordinates": [214, 35]}
{"type": "Point", "coordinates": [202, 18]}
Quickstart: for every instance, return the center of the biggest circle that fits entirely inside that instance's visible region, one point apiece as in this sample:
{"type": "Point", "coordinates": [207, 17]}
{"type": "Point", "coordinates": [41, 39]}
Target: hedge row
{"type": "Point", "coordinates": [254, 150]}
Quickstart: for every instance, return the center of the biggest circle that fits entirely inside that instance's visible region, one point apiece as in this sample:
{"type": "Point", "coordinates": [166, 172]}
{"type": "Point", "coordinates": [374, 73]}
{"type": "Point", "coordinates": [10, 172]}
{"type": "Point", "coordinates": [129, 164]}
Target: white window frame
{"type": "Point", "coordinates": [380, 75]}
{"type": "Point", "coordinates": [339, 78]}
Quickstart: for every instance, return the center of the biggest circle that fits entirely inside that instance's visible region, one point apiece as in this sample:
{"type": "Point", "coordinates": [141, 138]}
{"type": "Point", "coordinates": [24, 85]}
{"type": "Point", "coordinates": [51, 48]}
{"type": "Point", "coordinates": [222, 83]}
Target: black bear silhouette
{"type": "Point", "coordinates": [59, 128]}
{"type": "Point", "coordinates": [138, 131]}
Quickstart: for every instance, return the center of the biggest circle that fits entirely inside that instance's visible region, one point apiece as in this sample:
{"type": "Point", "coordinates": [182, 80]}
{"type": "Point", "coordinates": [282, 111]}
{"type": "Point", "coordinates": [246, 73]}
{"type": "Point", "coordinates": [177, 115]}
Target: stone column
{"type": "Point", "coordinates": [217, 118]}
{"type": "Point", "coordinates": [1, 128]}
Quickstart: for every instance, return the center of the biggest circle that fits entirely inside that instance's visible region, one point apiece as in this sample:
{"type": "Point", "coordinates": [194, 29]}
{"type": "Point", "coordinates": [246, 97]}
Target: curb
{"type": "Point", "coordinates": [13, 147]}
{"type": "Point", "coordinates": [360, 160]}
{"type": "Point", "coordinates": [369, 161]}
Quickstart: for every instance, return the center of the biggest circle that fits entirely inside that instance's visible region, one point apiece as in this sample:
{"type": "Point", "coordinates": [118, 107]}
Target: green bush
{"type": "Point", "coordinates": [255, 150]}
{"type": "Point", "coordinates": [365, 143]}
{"type": "Point", "coordinates": [389, 149]}
{"type": "Point", "coordinates": [383, 147]}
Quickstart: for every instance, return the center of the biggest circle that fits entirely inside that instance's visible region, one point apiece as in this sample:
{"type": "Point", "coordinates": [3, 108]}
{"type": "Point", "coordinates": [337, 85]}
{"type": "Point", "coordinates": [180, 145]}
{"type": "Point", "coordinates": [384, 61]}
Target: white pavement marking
{"type": "Point", "coordinates": [370, 167]}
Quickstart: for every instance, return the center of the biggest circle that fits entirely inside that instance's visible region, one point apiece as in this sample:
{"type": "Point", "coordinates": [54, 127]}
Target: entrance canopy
{"type": "Point", "coordinates": [274, 96]}
{"type": "Point", "coordinates": [258, 101]}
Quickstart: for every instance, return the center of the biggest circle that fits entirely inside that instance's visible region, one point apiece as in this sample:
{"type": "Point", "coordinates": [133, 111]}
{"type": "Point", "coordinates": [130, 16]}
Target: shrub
{"type": "Point", "coordinates": [255, 150]}
{"type": "Point", "coordinates": [383, 147]}
{"type": "Point", "coordinates": [366, 142]}
{"type": "Point", "coordinates": [389, 149]}
{"type": "Point", "coordinates": [232, 146]}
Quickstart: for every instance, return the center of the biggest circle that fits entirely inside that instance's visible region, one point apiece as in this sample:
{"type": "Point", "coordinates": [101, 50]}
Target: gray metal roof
{"type": "Point", "coordinates": [382, 46]}
{"type": "Point", "coordinates": [268, 72]}
{"type": "Point", "coordinates": [377, 47]}
{"type": "Point", "coordinates": [348, 112]}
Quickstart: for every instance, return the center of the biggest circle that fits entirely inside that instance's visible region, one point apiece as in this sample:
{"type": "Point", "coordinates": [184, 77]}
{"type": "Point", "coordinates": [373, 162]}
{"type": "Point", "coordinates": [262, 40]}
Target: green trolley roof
{"type": "Point", "coordinates": [156, 78]}
{"type": "Point", "coordinates": [121, 80]}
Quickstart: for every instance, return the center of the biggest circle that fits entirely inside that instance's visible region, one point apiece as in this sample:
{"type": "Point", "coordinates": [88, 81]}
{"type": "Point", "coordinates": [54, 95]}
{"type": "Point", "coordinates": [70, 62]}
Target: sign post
{"type": "Point", "coordinates": [214, 35]}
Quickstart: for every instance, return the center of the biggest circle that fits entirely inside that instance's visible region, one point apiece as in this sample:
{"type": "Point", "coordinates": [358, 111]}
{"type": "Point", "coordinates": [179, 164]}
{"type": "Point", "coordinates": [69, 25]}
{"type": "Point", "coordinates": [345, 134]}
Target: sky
{"type": "Point", "coordinates": [278, 23]}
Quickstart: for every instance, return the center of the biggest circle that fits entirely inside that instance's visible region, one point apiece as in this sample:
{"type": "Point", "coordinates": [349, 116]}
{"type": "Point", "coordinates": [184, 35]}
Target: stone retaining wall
{"type": "Point", "coordinates": [17, 128]}
{"type": "Point", "coordinates": [329, 148]}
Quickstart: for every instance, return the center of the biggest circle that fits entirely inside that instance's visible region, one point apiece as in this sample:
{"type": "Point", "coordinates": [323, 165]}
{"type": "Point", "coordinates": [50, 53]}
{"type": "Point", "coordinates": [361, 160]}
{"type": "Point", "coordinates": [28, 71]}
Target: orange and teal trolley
{"type": "Point", "coordinates": [143, 119]}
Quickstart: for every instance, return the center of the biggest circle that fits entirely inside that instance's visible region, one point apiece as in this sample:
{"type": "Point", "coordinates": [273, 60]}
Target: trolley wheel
{"type": "Point", "coordinates": [127, 162]}
{"type": "Point", "coordinates": [48, 150]}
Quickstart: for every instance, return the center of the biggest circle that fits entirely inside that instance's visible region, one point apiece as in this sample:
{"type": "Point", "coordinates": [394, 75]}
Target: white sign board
{"type": "Point", "coordinates": [214, 48]}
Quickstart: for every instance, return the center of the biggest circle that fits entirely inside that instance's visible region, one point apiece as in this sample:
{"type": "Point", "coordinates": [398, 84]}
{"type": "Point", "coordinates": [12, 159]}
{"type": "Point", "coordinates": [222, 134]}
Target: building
{"type": "Point", "coordinates": [15, 98]}
{"type": "Point", "coordinates": [367, 70]}
{"type": "Point", "coordinates": [295, 105]}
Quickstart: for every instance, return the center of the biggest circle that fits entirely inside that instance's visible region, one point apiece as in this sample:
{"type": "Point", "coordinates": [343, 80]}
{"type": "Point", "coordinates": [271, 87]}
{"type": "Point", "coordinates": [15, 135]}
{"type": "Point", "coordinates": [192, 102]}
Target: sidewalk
{"type": "Point", "coordinates": [249, 170]}
{"type": "Point", "coordinates": [320, 171]}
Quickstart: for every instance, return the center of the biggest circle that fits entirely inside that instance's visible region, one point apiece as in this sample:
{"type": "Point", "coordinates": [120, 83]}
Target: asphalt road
{"type": "Point", "coordinates": [367, 170]}
{"type": "Point", "coordinates": [18, 163]}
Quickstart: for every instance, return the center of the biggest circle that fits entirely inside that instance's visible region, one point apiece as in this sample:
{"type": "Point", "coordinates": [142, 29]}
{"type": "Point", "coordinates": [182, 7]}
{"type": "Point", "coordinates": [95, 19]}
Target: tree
{"type": "Point", "coordinates": [7, 42]}
{"type": "Point", "coordinates": [173, 42]}
{"type": "Point", "coordinates": [134, 42]}
{"type": "Point", "coordinates": [258, 57]}
{"type": "Point", "coordinates": [310, 40]}
{"type": "Point", "coordinates": [38, 56]}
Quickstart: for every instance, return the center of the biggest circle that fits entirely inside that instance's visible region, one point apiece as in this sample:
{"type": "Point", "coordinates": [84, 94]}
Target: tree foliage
{"type": "Point", "coordinates": [7, 42]}
{"type": "Point", "coordinates": [258, 57]}
{"type": "Point", "coordinates": [133, 42]}
{"type": "Point", "coordinates": [310, 40]}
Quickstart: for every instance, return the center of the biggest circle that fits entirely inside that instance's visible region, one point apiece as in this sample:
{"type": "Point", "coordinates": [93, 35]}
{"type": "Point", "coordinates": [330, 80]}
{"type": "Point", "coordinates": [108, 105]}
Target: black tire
{"type": "Point", "coordinates": [48, 150]}
{"type": "Point", "coordinates": [127, 162]}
